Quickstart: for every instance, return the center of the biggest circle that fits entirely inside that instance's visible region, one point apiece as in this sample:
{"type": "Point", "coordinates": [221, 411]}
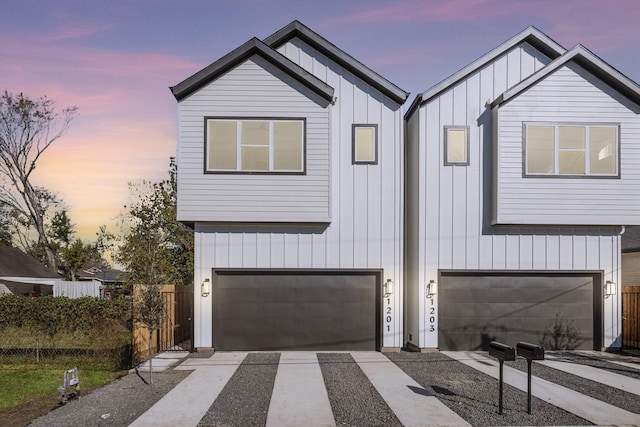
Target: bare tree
{"type": "Point", "coordinates": [27, 128]}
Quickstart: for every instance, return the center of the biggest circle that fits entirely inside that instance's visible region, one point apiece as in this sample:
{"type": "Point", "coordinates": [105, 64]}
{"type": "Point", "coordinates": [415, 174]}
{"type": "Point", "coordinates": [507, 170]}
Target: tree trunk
{"type": "Point", "coordinates": [150, 355]}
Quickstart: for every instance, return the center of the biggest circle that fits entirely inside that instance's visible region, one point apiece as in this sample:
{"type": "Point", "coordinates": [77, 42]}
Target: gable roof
{"type": "Point", "coordinates": [241, 54]}
{"type": "Point", "coordinates": [298, 30]}
{"type": "Point", "coordinates": [530, 35]}
{"type": "Point", "coordinates": [15, 263]}
{"type": "Point", "coordinates": [589, 61]}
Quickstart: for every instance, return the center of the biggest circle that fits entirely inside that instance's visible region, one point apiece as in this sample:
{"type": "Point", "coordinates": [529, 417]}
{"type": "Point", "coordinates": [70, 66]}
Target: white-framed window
{"type": "Point", "coordinates": [364, 144]}
{"type": "Point", "coordinates": [456, 145]}
{"type": "Point", "coordinates": [254, 145]}
{"type": "Point", "coordinates": [571, 150]}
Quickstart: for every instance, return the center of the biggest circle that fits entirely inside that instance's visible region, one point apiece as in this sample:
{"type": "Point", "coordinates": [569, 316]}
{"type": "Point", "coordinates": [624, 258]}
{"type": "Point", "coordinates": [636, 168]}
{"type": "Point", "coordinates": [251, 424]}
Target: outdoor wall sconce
{"type": "Point", "coordinates": [205, 288]}
{"type": "Point", "coordinates": [432, 288]}
{"type": "Point", "coordinates": [388, 287]}
{"type": "Point", "coordinates": [609, 288]}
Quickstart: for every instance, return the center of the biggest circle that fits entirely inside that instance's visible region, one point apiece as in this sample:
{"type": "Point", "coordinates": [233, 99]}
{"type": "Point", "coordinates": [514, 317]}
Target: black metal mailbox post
{"type": "Point", "coordinates": [530, 352]}
{"type": "Point", "coordinates": [501, 352]}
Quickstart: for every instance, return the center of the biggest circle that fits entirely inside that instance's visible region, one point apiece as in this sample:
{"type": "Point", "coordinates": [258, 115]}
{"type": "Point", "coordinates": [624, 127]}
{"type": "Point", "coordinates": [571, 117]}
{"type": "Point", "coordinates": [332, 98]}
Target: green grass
{"type": "Point", "coordinates": [20, 382]}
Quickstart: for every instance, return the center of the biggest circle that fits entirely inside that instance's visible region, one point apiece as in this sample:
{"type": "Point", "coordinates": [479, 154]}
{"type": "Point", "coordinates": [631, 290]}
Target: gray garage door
{"type": "Point", "coordinates": [475, 310]}
{"type": "Point", "coordinates": [295, 310]}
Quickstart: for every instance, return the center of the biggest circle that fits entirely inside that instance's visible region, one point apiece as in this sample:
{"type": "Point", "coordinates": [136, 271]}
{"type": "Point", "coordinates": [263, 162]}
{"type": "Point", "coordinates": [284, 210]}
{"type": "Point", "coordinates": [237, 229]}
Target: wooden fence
{"type": "Point", "coordinates": [631, 316]}
{"type": "Point", "coordinates": [176, 333]}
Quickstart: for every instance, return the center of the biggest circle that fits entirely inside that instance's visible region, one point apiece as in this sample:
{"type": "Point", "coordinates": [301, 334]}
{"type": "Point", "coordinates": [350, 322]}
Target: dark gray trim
{"type": "Point", "coordinates": [241, 172]}
{"type": "Point", "coordinates": [241, 54]}
{"type": "Point", "coordinates": [589, 61]}
{"type": "Point", "coordinates": [568, 176]}
{"type": "Point", "coordinates": [378, 273]}
{"type": "Point", "coordinates": [598, 290]}
{"type": "Point", "coordinates": [445, 146]}
{"type": "Point", "coordinates": [304, 33]}
{"type": "Point", "coordinates": [531, 35]}
{"type": "Point", "coordinates": [353, 144]}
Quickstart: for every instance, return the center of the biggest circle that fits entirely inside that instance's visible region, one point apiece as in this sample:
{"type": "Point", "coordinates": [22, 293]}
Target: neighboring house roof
{"type": "Point", "coordinates": [530, 35]}
{"type": "Point", "coordinates": [104, 275]}
{"type": "Point", "coordinates": [589, 61]}
{"type": "Point", "coordinates": [26, 288]}
{"type": "Point", "coordinates": [298, 30]}
{"type": "Point", "coordinates": [15, 263]}
{"type": "Point", "coordinates": [631, 239]}
{"type": "Point", "coordinates": [241, 54]}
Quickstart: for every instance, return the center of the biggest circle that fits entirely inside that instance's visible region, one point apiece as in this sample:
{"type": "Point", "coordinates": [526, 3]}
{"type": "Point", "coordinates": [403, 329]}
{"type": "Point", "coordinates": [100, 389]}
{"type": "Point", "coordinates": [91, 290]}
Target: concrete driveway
{"type": "Point", "coordinates": [398, 389]}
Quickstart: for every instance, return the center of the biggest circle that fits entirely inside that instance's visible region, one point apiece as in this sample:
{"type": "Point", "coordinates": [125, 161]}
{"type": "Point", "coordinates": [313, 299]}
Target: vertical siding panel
{"type": "Point", "coordinates": [446, 186]}
{"type": "Point", "coordinates": [514, 66]}
{"type": "Point", "coordinates": [593, 252]}
{"type": "Point", "coordinates": [539, 252]}
{"type": "Point", "coordinates": [291, 250]}
{"type": "Point", "coordinates": [579, 252]}
{"type": "Point", "coordinates": [335, 233]}
{"type": "Point", "coordinates": [305, 248]}
{"type": "Point", "coordinates": [512, 249]}
{"type": "Point", "coordinates": [527, 61]}
{"type": "Point", "coordinates": [377, 213]}
{"type": "Point", "coordinates": [473, 215]}
{"type": "Point", "coordinates": [553, 252]}
{"type": "Point", "coordinates": [566, 251]}
{"type": "Point", "coordinates": [222, 253]}
{"type": "Point", "coordinates": [249, 250]}
{"type": "Point", "coordinates": [235, 250]}
{"type": "Point", "coordinates": [277, 250]}
{"type": "Point", "coordinates": [362, 188]}
{"type": "Point", "coordinates": [500, 76]}
{"type": "Point", "coordinates": [431, 157]}
{"type": "Point", "coordinates": [485, 247]}
{"type": "Point", "coordinates": [347, 196]}
{"type": "Point", "coordinates": [459, 186]}
{"type": "Point", "coordinates": [263, 250]}
{"type": "Point", "coordinates": [319, 245]}
{"type": "Point", "coordinates": [526, 252]}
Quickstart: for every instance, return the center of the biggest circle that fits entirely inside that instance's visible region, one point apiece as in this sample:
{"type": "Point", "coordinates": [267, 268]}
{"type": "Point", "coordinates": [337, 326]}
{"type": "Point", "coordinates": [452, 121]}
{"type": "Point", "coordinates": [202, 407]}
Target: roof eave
{"type": "Point", "coordinates": [531, 35]}
{"type": "Point", "coordinates": [242, 53]}
{"type": "Point", "coordinates": [301, 31]}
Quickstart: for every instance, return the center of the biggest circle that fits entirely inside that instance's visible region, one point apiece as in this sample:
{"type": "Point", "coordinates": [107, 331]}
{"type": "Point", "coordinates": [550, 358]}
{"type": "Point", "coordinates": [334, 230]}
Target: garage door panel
{"type": "Point", "coordinates": [289, 311]}
{"type": "Point", "coordinates": [474, 310]}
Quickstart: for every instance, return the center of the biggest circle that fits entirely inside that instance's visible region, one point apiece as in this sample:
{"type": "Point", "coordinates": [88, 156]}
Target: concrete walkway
{"type": "Point", "coordinates": [593, 410]}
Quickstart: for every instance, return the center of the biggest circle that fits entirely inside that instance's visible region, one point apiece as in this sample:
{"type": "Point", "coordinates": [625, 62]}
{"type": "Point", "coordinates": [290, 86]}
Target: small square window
{"type": "Point", "coordinates": [365, 144]}
{"type": "Point", "coordinates": [456, 145]}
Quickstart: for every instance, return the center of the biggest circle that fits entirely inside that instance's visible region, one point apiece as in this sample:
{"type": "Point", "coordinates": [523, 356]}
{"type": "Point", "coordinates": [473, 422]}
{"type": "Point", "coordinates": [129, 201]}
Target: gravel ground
{"type": "Point", "coordinates": [611, 395]}
{"type": "Point", "coordinates": [244, 401]}
{"type": "Point", "coordinates": [474, 395]}
{"type": "Point", "coordinates": [118, 403]}
{"type": "Point", "coordinates": [354, 400]}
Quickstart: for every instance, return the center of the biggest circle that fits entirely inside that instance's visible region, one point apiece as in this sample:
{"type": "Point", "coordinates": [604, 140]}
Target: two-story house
{"type": "Point", "coordinates": [290, 172]}
{"type": "Point", "coordinates": [320, 223]}
{"type": "Point", "coordinates": [522, 169]}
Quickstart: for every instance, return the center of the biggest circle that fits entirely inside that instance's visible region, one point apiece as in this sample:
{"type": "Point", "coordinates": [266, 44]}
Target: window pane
{"type": "Point", "coordinates": [222, 144]}
{"type": "Point", "coordinates": [540, 149]}
{"type": "Point", "coordinates": [604, 153]}
{"type": "Point", "coordinates": [287, 145]}
{"type": "Point", "coordinates": [456, 145]}
{"type": "Point", "coordinates": [255, 158]}
{"type": "Point", "coordinates": [572, 162]}
{"type": "Point", "coordinates": [572, 137]}
{"type": "Point", "coordinates": [365, 144]}
{"type": "Point", "coordinates": [255, 133]}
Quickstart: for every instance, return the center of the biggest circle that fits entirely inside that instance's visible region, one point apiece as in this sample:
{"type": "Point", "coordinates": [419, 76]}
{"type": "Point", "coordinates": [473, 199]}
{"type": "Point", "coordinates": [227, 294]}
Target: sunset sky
{"type": "Point", "coordinates": [116, 59]}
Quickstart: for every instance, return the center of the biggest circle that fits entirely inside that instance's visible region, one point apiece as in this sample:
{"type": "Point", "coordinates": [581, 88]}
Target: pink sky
{"type": "Point", "coordinates": [116, 60]}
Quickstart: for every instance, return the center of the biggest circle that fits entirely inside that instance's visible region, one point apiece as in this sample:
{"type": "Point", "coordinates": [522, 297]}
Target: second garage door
{"type": "Point", "coordinates": [477, 309]}
{"type": "Point", "coordinates": [327, 310]}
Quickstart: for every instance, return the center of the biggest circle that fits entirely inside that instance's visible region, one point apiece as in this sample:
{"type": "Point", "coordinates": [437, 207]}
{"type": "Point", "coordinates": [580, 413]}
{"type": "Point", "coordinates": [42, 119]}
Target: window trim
{"type": "Point", "coordinates": [270, 119]}
{"type": "Point", "coordinates": [354, 127]}
{"type": "Point", "coordinates": [557, 175]}
{"type": "Point", "coordinates": [445, 145]}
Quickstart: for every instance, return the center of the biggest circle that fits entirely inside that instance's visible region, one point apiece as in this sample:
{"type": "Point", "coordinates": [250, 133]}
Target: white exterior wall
{"type": "Point", "coordinates": [253, 89]}
{"type": "Point", "coordinates": [454, 211]}
{"type": "Point", "coordinates": [365, 202]}
{"type": "Point", "coordinates": [569, 95]}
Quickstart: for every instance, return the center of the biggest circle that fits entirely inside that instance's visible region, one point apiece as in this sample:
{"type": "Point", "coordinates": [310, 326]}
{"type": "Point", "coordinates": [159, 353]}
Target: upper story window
{"type": "Point", "coordinates": [255, 145]}
{"type": "Point", "coordinates": [456, 145]}
{"type": "Point", "coordinates": [571, 150]}
{"type": "Point", "coordinates": [364, 144]}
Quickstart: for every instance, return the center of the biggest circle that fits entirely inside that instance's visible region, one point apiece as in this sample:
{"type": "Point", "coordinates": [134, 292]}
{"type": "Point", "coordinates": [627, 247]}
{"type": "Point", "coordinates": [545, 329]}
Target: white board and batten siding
{"type": "Point", "coordinates": [569, 95]}
{"type": "Point", "coordinates": [364, 230]}
{"type": "Point", "coordinates": [452, 206]}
